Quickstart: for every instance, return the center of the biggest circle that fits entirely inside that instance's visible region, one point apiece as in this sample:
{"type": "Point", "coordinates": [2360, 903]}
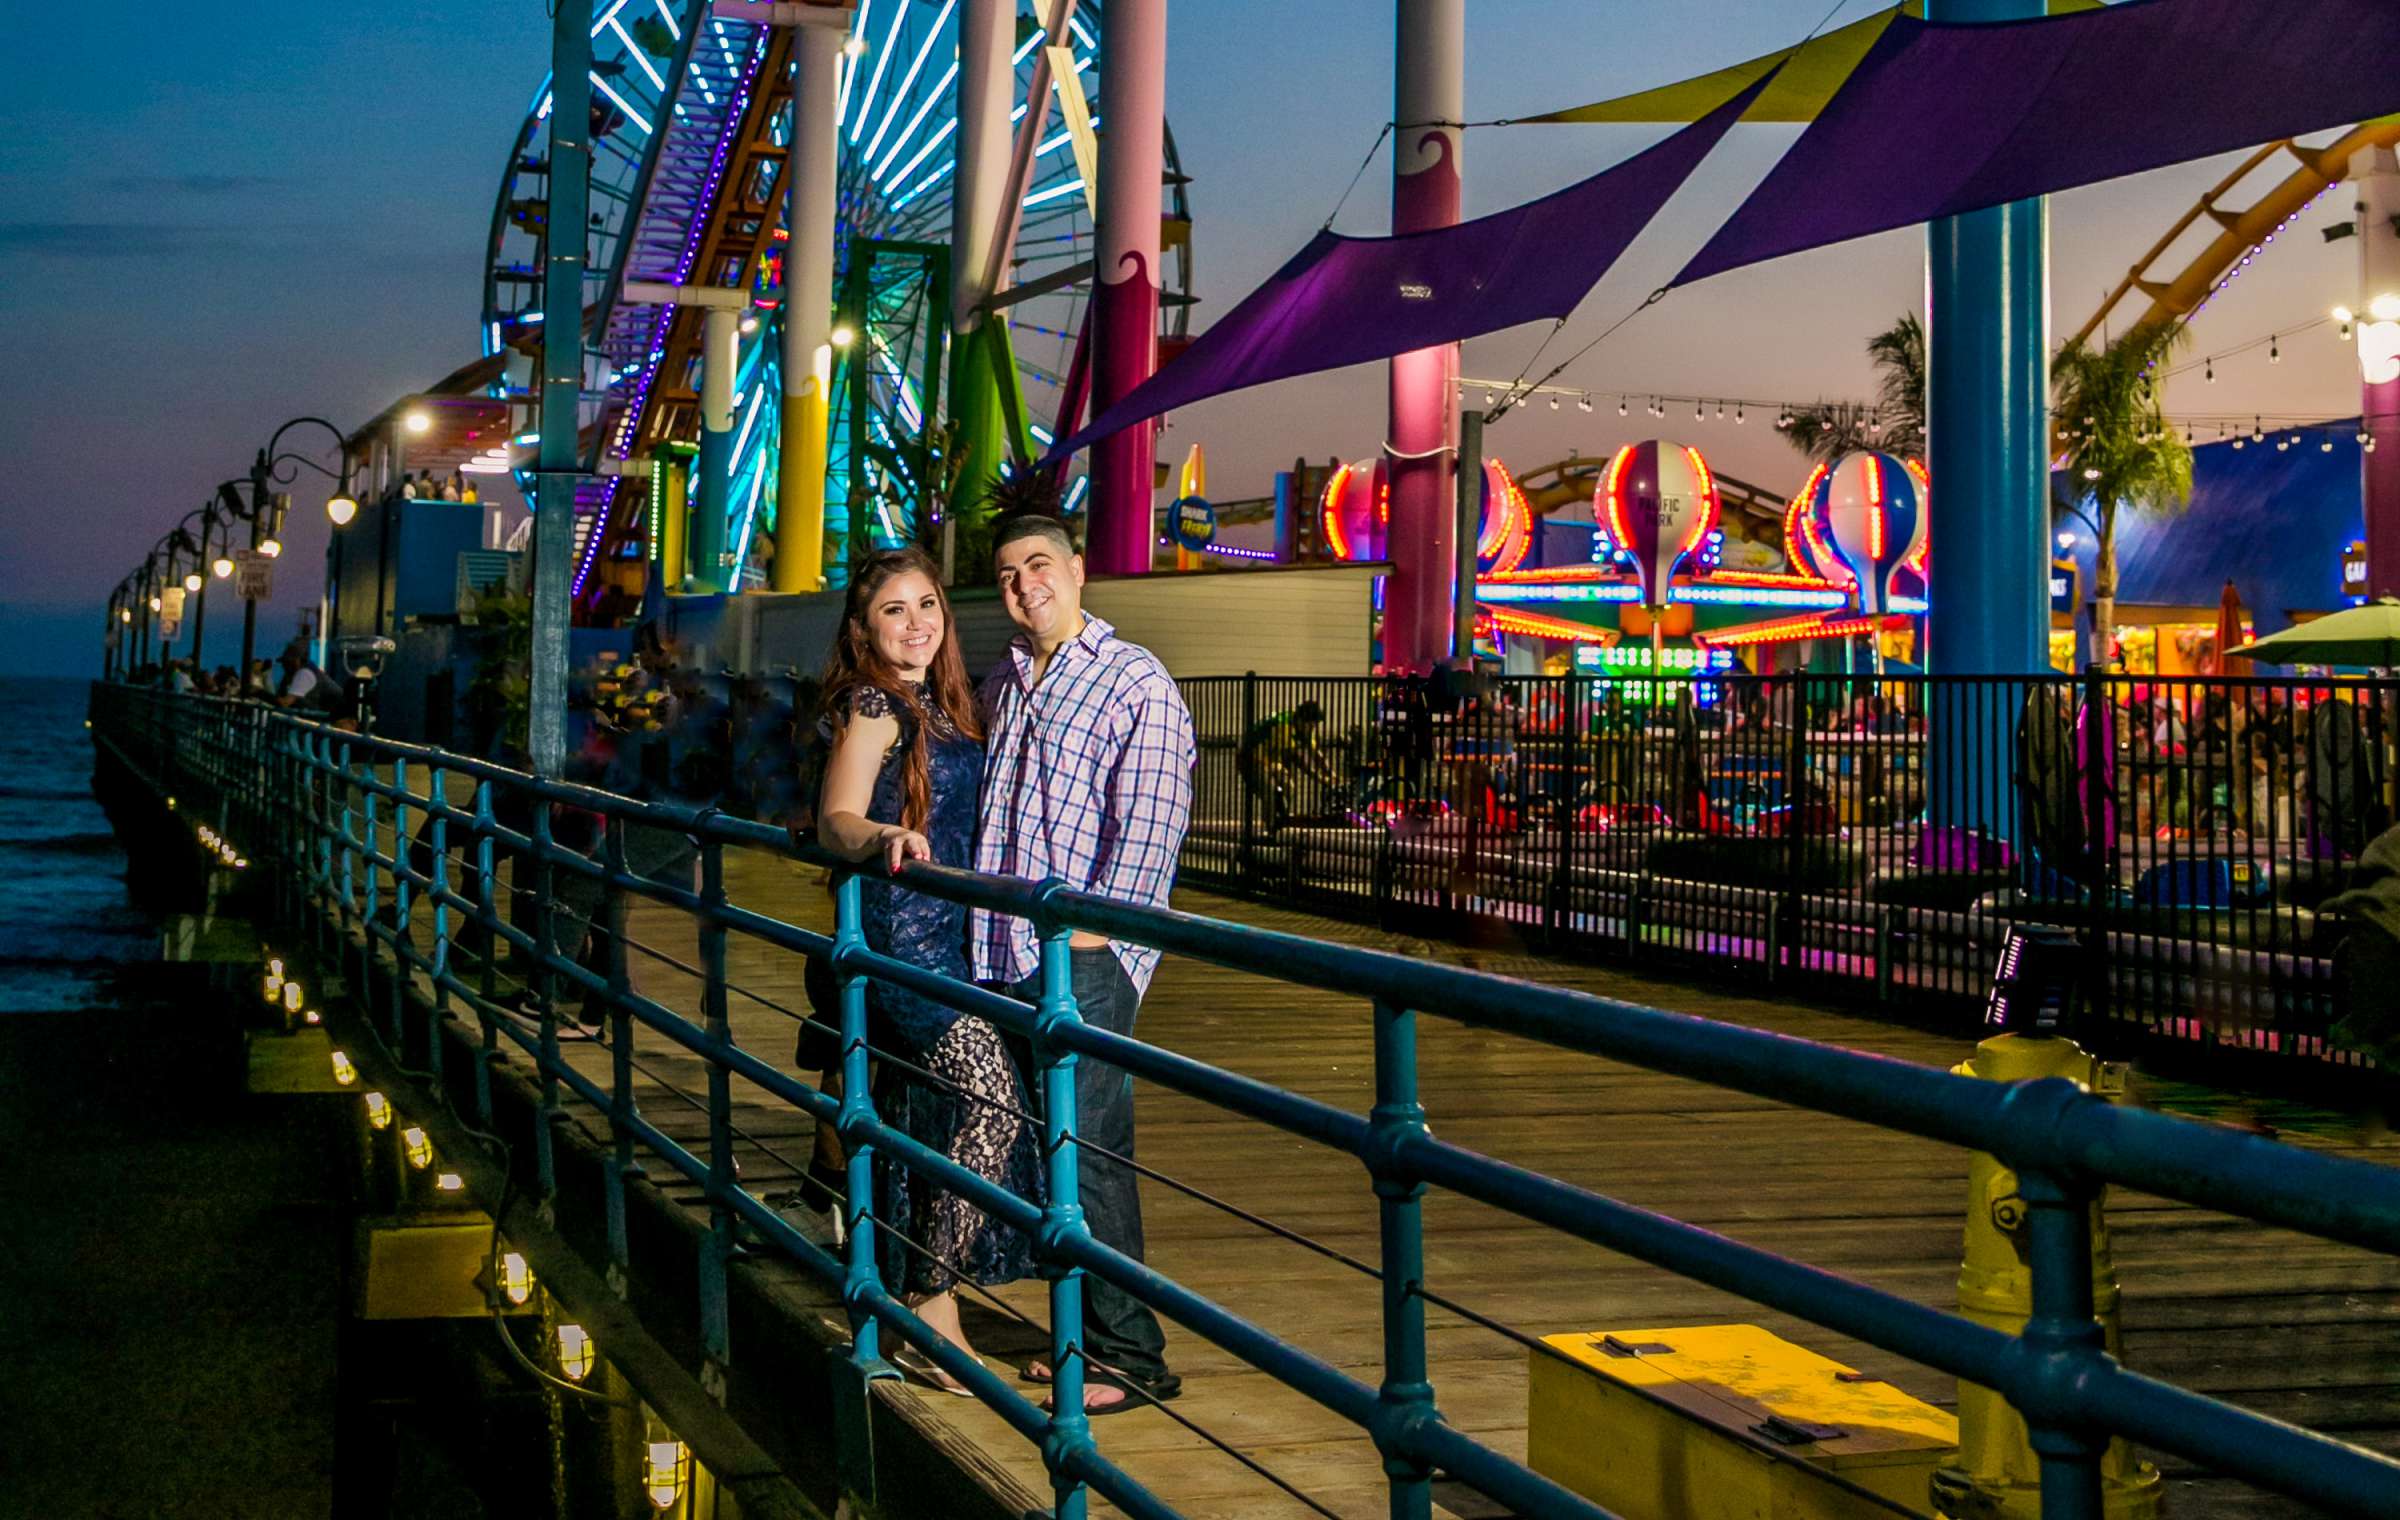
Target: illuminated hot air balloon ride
{"type": "Point", "coordinates": [1658, 504]}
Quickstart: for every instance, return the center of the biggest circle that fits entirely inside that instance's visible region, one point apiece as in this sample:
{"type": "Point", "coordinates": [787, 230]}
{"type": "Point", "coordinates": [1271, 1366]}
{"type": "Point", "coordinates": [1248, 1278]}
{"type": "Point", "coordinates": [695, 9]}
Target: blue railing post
{"type": "Point", "coordinates": [2064, 1334]}
{"type": "Point", "coordinates": [1405, 1399]}
{"type": "Point", "coordinates": [622, 1162]}
{"type": "Point", "coordinates": [853, 1417]}
{"type": "Point", "coordinates": [545, 993]}
{"type": "Point", "coordinates": [717, 1253]}
{"type": "Point", "coordinates": [1062, 1221]}
{"type": "Point", "coordinates": [437, 873]}
{"type": "Point", "coordinates": [487, 882]}
{"type": "Point", "coordinates": [403, 900]}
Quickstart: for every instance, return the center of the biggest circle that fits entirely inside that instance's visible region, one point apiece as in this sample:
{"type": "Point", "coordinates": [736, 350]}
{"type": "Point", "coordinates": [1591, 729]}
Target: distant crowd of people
{"type": "Point", "coordinates": [292, 679]}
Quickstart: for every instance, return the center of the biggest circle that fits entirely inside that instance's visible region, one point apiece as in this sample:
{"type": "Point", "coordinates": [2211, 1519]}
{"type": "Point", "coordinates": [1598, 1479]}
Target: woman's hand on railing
{"type": "Point", "coordinates": [902, 845]}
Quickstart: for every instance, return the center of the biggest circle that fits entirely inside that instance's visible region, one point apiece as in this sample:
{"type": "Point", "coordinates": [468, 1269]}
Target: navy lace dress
{"type": "Point", "coordinates": [968, 1108]}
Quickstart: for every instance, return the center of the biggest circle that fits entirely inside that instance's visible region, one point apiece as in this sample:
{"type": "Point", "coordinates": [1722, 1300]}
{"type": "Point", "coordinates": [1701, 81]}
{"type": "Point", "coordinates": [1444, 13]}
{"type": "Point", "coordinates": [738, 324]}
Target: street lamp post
{"type": "Point", "coordinates": [264, 476]}
{"type": "Point", "coordinates": [198, 594]}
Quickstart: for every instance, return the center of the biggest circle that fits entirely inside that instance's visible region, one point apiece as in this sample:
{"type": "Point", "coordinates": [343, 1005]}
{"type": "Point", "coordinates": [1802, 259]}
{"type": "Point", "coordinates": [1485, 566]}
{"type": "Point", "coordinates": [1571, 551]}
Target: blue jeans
{"type": "Point", "coordinates": [1118, 1329]}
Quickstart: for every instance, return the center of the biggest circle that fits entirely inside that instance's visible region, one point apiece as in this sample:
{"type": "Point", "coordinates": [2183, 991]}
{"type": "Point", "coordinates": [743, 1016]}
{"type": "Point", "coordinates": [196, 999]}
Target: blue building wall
{"type": "Point", "coordinates": [2274, 521]}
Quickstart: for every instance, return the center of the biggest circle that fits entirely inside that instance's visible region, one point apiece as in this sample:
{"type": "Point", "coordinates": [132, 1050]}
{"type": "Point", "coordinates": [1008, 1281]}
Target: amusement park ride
{"type": "Point", "coordinates": [690, 118]}
{"type": "Point", "coordinates": [963, 293]}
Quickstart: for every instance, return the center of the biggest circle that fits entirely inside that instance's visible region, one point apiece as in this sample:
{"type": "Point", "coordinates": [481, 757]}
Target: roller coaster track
{"type": "Point", "coordinates": [2240, 234]}
{"type": "Point", "coordinates": [675, 206]}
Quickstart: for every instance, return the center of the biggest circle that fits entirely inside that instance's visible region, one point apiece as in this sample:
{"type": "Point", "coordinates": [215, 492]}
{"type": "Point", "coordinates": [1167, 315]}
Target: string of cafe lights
{"type": "Point", "coordinates": [1736, 410]}
{"type": "Point", "coordinates": [2285, 430]}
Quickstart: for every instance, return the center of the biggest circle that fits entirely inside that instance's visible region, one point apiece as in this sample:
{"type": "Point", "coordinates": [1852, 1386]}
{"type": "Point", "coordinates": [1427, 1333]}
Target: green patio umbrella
{"type": "Point", "coordinates": [2368, 635]}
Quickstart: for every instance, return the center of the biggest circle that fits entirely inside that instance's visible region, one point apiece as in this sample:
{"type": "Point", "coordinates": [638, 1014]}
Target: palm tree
{"type": "Point", "coordinates": [2116, 445]}
{"type": "Point", "coordinates": [1894, 422]}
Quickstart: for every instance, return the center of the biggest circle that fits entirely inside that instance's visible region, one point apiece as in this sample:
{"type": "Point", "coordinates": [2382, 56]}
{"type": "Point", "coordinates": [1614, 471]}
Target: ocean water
{"type": "Point", "coordinates": [66, 922]}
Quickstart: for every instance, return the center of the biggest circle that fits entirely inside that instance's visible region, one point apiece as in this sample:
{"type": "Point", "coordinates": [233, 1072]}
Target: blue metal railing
{"type": "Point", "coordinates": [316, 801]}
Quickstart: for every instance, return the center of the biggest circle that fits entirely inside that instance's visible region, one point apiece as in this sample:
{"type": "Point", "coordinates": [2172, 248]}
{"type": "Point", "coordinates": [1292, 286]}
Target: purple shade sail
{"type": "Point", "coordinates": [1345, 300]}
{"type": "Point", "coordinates": [1943, 119]}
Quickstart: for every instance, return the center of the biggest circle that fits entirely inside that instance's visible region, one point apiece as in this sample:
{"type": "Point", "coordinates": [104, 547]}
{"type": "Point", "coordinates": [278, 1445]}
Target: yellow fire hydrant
{"type": "Point", "coordinates": [1997, 1476]}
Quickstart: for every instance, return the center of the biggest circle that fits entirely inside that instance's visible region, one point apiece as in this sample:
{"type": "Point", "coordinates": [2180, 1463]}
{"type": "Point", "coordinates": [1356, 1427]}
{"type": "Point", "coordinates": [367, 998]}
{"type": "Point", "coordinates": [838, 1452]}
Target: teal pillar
{"type": "Point", "coordinates": [706, 568]}
{"type": "Point", "coordinates": [561, 455]}
{"type": "Point", "coordinates": [1987, 410]}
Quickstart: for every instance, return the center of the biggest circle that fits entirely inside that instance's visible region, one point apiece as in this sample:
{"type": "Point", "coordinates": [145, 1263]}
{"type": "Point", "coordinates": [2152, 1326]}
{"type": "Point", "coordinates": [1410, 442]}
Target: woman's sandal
{"type": "Point", "coordinates": [1137, 1390]}
{"type": "Point", "coordinates": [917, 1365]}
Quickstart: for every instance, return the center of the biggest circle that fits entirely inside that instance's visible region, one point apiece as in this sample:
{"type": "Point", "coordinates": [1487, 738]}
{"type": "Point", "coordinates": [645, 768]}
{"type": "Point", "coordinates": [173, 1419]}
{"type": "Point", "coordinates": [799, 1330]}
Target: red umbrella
{"type": "Point", "coordinates": [2229, 630]}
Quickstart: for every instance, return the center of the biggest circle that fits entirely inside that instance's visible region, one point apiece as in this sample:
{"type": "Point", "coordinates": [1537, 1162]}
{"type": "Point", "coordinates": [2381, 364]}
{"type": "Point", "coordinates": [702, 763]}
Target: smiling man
{"type": "Point", "coordinates": [1087, 777]}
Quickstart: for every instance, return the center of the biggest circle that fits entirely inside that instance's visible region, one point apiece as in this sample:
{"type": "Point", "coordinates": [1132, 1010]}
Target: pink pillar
{"type": "Point", "coordinates": [1428, 85]}
{"type": "Point", "coordinates": [2379, 479]}
{"type": "Point", "coordinates": [2375, 179]}
{"type": "Point", "coordinates": [1133, 152]}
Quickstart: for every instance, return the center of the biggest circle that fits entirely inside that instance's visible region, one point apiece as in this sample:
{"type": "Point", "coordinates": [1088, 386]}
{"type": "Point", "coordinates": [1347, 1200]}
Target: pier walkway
{"type": "Point", "coordinates": [1560, 1128]}
{"type": "Point", "coordinates": [2216, 1302]}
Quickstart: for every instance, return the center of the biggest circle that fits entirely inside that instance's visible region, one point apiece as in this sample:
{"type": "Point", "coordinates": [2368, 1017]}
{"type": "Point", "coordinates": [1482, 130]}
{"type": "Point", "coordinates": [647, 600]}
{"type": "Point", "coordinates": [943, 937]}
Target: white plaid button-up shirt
{"type": "Point", "coordinates": [1086, 777]}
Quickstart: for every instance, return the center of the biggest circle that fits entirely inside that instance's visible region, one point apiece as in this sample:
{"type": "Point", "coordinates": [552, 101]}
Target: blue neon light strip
{"type": "Point", "coordinates": [922, 154]}
{"type": "Point", "coordinates": [883, 60]}
{"type": "Point", "coordinates": [631, 114]}
{"type": "Point", "coordinates": [933, 97]}
{"type": "Point", "coordinates": [640, 58]}
{"type": "Point", "coordinates": [915, 66]}
{"type": "Point", "coordinates": [849, 76]}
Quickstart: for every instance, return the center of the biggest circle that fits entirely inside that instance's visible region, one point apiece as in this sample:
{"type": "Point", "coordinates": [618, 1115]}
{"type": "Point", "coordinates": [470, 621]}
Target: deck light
{"type": "Point", "coordinates": [574, 1352]}
{"type": "Point", "coordinates": [844, 335]}
{"type": "Point", "coordinates": [222, 568]}
{"type": "Point", "coordinates": [340, 508]}
{"type": "Point", "coordinates": [191, 581]}
{"type": "Point", "coordinates": [291, 997]}
{"type": "Point", "coordinates": [154, 604]}
{"type": "Point", "coordinates": [450, 1182]}
{"type": "Point", "coordinates": [124, 614]}
{"type": "Point", "coordinates": [415, 1146]}
{"type": "Point", "coordinates": [344, 1074]}
{"type": "Point", "coordinates": [274, 987]}
{"type": "Point", "coordinates": [417, 420]}
{"type": "Point", "coordinates": [516, 1277]}
{"type": "Point", "coordinates": [669, 1463]}
{"type": "Point", "coordinates": [379, 1111]}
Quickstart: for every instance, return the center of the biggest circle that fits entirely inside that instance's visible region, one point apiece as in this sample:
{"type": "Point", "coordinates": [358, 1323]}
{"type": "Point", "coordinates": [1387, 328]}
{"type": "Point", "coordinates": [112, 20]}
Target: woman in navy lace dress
{"type": "Point", "coordinates": [905, 754]}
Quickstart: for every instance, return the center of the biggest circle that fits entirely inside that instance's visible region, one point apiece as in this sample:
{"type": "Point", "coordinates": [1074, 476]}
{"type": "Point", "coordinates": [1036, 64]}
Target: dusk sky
{"type": "Point", "coordinates": [216, 218]}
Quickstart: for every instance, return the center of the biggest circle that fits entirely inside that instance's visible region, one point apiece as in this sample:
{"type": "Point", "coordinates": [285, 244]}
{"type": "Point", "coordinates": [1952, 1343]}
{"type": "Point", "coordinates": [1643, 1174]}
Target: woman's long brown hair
{"type": "Point", "coordinates": [855, 663]}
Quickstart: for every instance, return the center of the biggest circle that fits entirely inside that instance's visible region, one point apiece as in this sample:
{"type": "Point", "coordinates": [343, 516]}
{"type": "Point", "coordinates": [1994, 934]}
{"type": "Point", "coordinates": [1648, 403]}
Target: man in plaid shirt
{"type": "Point", "coordinates": [1087, 777]}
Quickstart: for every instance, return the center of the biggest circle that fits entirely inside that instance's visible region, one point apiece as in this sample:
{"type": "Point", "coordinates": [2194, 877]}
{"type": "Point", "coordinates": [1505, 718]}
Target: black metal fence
{"type": "Point", "coordinates": [1855, 836]}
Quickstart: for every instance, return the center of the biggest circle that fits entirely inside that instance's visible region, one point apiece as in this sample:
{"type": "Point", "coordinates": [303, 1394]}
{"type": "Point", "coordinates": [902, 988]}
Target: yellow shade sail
{"type": "Point", "coordinates": [1816, 69]}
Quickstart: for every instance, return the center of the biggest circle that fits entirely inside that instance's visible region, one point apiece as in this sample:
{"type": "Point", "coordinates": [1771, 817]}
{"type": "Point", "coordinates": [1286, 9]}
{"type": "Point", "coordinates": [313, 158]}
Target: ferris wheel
{"type": "Point", "coordinates": [690, 112]}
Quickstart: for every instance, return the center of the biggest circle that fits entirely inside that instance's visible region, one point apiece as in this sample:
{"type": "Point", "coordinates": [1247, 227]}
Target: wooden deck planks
{"type": "Point", "coordinates": [2297, 1328]}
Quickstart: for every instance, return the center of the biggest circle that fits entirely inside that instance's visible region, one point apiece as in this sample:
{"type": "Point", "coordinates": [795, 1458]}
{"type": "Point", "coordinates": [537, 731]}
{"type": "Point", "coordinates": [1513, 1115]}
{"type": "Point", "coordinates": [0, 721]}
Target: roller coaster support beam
{"type": "Point", "coordinates": [1988, 298]}
{"type": "Point", "coordinates": [1133, 116]}
{"type": "Point", "coordinates": [721, 309]}
{"type": "Point", "coordinates": [808, 217]}
{"type": "Point", "coordinates": [1428, 102]}
{"type": "Point", "coordinates": [560, 460]}
{"type": "Point", "coordinates": [2375, 175]}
